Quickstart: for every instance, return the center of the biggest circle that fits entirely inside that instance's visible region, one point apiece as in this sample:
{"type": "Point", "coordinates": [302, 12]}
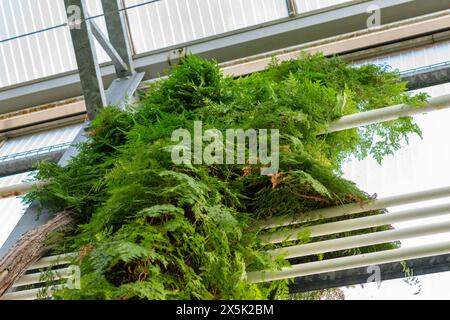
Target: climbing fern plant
{"type": "Point", "coordinates": [149, 229]}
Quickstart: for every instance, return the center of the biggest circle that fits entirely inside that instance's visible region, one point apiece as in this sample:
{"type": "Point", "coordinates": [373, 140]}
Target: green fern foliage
{"type": "Point", "coordinates": [150, 229]}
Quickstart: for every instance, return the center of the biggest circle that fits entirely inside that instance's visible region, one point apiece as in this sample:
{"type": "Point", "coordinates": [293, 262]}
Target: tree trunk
{"type": "Point", "coordinates": [28, 250]}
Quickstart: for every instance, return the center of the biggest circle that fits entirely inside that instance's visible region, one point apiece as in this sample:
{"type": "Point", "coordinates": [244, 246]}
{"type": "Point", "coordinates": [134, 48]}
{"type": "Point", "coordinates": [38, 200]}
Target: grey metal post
{"type": "Point", "coordinates": [118, 35]}
{"type": "Point", "coordinates": [89, 69]}
{"type": "Point", "coordinates": [428, 76]}
{"type": "Point", "coordinates": [292, 8]}
{"type": "Point", "coordinates": [94, 93]}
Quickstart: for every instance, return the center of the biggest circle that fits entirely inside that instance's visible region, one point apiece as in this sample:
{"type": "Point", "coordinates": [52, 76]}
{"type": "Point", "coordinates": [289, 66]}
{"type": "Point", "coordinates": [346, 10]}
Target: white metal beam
{"type": "Point", "coordinates": [354, 208]}
{"type": "Point", "coordinates": [57, 260]}
{"type": "Point", "coordinates": [356, 224]}
{"type": "Point", "coordinates": [19, 189]}
{"type": "Point", "coordinates": [356, 261]}
{"type": "Point", "coordinates": [362, 240]}
{"type": "Point", "coordinates": [31, 294]}
{"type": "Point", "coordinates": [35, 278]}
{"type": "Point", "coordinates": [387, 114]}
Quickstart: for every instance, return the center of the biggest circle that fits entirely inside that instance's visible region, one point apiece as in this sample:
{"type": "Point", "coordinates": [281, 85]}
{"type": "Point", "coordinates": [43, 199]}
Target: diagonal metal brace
{"type": "Point", "coordinates": [118, 34]}
{"type": "Point", "coordinates": [116, 43]}
{"type": "Point", "coordinates": [95, 96]}
{"type": "Point", "coordinates": [119, 64]}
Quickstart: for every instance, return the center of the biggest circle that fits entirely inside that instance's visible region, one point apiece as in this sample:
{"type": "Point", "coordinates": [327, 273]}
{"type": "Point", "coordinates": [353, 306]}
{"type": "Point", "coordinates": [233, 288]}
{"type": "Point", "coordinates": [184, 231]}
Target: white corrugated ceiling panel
{"type": "Point", "coordinates": [40, 140]}
{"type": "Point", "coordinates": [153, 26]}
{"type": "Point", "coordinates": [41, 54]}
{"type": "Point", "coordinates": [169, 22]}
{"type": "Point", "coordinates": [414, 58]}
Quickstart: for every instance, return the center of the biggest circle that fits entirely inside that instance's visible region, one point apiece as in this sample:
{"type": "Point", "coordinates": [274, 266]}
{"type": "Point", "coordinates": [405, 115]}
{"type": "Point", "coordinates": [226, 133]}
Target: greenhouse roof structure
{"type": "Point", "coordinates": [55, 79]}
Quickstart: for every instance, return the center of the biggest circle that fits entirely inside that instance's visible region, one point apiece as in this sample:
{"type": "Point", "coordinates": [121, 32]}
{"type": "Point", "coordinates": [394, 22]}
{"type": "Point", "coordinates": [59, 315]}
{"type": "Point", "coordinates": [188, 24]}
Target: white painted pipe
{"type": "Point", "coordinates": [35, 278]}
{"type": "Point", "coordinates": [387, 114]}
{"type": "Point", "coordinates": [54, 261]}
{"type": "Point", "coordinates": [362, 240]}
{"type": "Point", "coordinates": [345, 263]}
{"type": "Point", "coordinates": [354, 208]}
{"type": "Point", "coordinates": [356, 224]}
{"type": "Point", "coordinates": [31, 294]}
{"type": "Point", "coordinates": [20, 188]}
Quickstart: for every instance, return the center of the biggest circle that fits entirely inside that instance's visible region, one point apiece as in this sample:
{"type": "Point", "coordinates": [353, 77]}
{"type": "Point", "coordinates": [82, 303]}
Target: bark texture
{"type": "Point", "coordinates": [29, 249]}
